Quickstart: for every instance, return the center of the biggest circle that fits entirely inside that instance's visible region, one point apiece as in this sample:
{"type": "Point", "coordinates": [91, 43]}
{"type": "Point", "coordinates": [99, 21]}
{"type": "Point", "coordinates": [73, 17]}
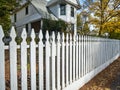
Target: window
{"type": "Point", "coordinates": [26, 10]}
{"type": "Point", "coordinates": [15, 17]}
{"type": "Point", "coordinates": [62, 9]}
{"type": "Point", "coordinates": [72, 11]}
{"type": "Point", "coordinates": [26, 26]}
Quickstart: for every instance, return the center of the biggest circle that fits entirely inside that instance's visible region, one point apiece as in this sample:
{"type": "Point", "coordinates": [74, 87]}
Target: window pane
{"type": "Point", "coordinates": [72, 11]}
{"type": "Point", "coordinates": [26, 11]}
{"type": "Point", "coordinates": [62, 9]}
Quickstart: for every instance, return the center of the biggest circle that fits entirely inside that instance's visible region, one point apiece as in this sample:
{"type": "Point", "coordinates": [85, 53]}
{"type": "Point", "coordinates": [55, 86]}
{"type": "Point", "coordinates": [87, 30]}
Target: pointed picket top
{"type": "Point", "coordinates": [40, 35]}
{"type": "Point", "coordinates": [53, 36]}
{"type": "Point", "coordinates": [67, 37]}
{"type": "Point", "coordinates": [32, 34]}
{"type": "Point", "coordinates": [77, 38]}
{"type": "Point", "coordinates": [13, 33]}
{"type": "Point", "coordinates": [1, 32]}
{"type": "Point", "coordinates": [24, 34]}
{"type": "Point", "coordinates": [63, 37]}
{"type": "Point", "coordinates": [47, 36]}
{"type": "Point", "coordinates": [58, 37]}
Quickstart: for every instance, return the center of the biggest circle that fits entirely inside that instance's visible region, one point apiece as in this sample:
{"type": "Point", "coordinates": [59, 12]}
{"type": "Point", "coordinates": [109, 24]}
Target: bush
{"type": "Point", "coordinates": [53, 25]}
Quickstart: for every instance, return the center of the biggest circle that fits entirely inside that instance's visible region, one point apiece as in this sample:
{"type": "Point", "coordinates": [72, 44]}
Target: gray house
{"type": "Point", "coordinates": [31, 12]}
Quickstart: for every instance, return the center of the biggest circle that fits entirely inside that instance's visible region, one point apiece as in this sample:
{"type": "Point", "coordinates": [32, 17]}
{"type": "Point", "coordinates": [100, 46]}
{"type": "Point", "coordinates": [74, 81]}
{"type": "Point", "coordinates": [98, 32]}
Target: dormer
{"type": "Point", "coordinates": [64, 9]}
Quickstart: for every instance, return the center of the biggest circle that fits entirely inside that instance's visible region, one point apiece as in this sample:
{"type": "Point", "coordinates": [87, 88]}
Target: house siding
{"type": "Point", "coordinates": [54, 10]}
{"type": "Point", "coordinates": [32, 10]}
{"type": "Point", "coordinates": [68, 16]}
{"type": "Point", "coordinates": [22, 19]}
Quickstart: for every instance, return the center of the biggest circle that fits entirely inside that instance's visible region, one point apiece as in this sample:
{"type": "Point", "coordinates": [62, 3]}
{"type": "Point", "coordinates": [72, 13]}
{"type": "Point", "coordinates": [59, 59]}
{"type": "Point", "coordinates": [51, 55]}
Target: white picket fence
{"type": "Point", "coordinates": [63, 64]}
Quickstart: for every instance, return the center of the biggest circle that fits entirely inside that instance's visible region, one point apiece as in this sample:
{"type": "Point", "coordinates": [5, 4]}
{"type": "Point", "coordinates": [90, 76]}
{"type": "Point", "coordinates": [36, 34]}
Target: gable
{"type": "Point", "coordinates": [41, 8]}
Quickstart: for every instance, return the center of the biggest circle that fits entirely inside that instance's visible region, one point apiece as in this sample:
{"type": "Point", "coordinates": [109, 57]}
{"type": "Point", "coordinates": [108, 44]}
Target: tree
{"type": "Point", "coordinates": [112, 27]}
{"type": "Point", "coordinates": [6, 6]}
{"type": "Point", "coordinates": [82, 24]}
{"type": "Point", "coordinates": [85, 29]}
{"type": "Point", "coordinates": [79, 24]}
{"type": "Point", "coordinates": [104, 11]}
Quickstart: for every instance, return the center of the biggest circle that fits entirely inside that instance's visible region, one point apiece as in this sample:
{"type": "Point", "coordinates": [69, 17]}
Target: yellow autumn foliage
{"type": "Point", "coordinates": [111, 26]}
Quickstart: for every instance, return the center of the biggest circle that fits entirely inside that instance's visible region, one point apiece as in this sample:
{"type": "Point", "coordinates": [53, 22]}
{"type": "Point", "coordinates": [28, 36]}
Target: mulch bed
{"type": "Point", "coordinates": [107, 79]}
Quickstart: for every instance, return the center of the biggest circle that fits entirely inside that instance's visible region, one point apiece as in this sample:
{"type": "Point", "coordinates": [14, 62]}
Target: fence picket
{"type": "Point", "coordinates": [47, 62]}
{"type": "Point", "coordinates": [40, 60]}
{"type": "Point", "coordinates": [13, 60]}
{"type": "Point", "coordinates": [82, 63]}
{"type": "Point", "coordinates": [53, 61]}
{"type": "Point", "coordinates": [66, 62]}
{"type": "Point", "coordinates": [67, 82]}
{"type": "Point", "coordinates": [71, 59]}
{"type": "Point", "coordinates": [2, 61]}
{"type": "Point", "coordinates": [79, 55]}
{"type": "Point", "coordinates": [63, 61]}
{"type": "Point", "coordinates": [76, 57]}
{"type": "Point", "coordinates": [86, 54]}
{"type": "Point", "coordinates": [24, 60]}
{"type": "Point", "coordinates": [33, 60]}
{"type": "Point", "coordinates": [58, 62]}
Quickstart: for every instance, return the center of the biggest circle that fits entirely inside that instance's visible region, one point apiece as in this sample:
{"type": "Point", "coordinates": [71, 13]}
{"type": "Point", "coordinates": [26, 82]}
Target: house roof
{"type": "Point", "coordinates": [71, 2]}
{"type": "Point", "coordinates": [20, 7]}
{"type": "Point", "coordinates": [42, 9]}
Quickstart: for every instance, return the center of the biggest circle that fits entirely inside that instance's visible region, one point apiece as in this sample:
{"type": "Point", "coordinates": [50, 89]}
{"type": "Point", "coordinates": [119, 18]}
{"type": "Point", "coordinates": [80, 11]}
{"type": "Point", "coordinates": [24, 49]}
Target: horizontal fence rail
{"type": "Point", "coordinates": [61, 62]}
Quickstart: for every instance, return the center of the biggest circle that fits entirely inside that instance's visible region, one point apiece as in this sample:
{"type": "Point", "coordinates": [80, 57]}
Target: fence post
{"type": "Point", "coordinates": [58, 61]}
{"type": "Point", "coordinates": [33, 60]}
{"type": "Point", "coordinates": [40, 61]}
{"type": "Point", "coordinates": [53, 61]}
{"type": "Point", "coordinates": [13, 60]}
{"type": "Point", "coordinates": [24, 60]}
{"type": "Point", "coordinates": [2, 61]}
{"type": "Point", "coordinates": [47, 61]}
